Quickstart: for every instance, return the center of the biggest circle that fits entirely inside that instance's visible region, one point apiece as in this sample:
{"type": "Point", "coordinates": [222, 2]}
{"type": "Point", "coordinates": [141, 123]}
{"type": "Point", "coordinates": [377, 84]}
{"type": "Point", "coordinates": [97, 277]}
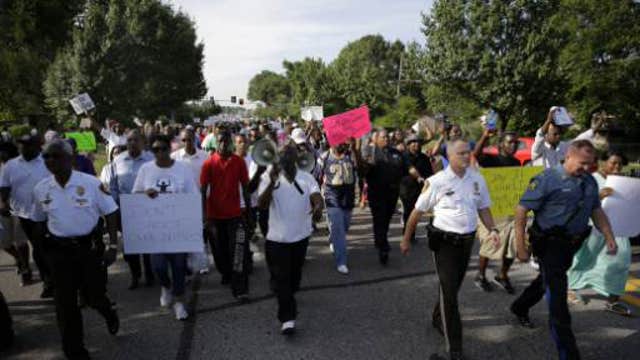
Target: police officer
{"type": "Point", "coordinates": [67, 211]}
{"type": "Point", "coordinates": [562, 199]}
{"type": "Point", "coordinates": [384, 168]}
{"type": "Point", "coordinates": [458, 196]}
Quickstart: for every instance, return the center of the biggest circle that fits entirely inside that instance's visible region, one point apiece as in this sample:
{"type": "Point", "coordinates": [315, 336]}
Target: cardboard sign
{"type": "Point", "coordinates": [85, 140]}
{"type": "Point", "coordinates": [310, 113]}
{"type": "Point", "coordinates": [82, 103]}
{"type": "Point", "coordinates": [506, 185]}
{"type": "Point", "coordinates": [623, 206]}
{"type": "Point", "coordinates": [170, 223]}
{"type": "Point", "coordinates": [561, 116]}
{"type": "Point", "coordinates": [354, 123]}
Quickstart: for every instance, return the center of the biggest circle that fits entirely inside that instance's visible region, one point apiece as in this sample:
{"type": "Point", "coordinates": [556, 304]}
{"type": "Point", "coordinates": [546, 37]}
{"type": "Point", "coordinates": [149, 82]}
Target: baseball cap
{"type": "Point", "coordinates": [298, 136]}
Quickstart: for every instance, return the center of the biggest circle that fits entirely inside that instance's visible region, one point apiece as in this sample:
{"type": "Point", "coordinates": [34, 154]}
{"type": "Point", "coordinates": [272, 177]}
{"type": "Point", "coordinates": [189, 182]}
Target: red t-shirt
{"type": "Point", "coordinates": [223, 177]}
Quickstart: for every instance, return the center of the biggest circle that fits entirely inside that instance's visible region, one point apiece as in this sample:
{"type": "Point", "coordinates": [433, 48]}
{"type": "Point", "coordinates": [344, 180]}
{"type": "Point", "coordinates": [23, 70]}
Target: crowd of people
{"type": "Point", "coordinates": [58, 210]}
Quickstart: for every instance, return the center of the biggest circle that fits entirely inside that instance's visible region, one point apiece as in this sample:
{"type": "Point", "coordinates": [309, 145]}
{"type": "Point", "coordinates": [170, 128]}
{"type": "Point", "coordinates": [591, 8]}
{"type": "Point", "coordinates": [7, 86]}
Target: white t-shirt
{"type": "Point", "coordinates": [194, 161]}
{"type": "Point", "coordinates": [455, 201]}
{"type": "Point", "coordinates": [252, 167]}
{"type": "Point", "coordinates": [113, 139]}
{"type": "Point", "coordinates": [22, 176]}
{"type": "Point", "coordinates": [175, 179]}
{"type": "Point", "coordinates": [290, 211]}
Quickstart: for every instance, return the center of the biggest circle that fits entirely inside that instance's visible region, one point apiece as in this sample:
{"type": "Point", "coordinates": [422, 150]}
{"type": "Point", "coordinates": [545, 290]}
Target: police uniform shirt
{"type": "Point", "coordinates": [455, 201]}
{"type": "Point", "coordinates": [22, 176]}
{"type": "Point", "coordinates": [555, 196]}
{"type": "Point", "coordinates": [290, 210]}
{"type": "Point", "coordinates": [72, 210]}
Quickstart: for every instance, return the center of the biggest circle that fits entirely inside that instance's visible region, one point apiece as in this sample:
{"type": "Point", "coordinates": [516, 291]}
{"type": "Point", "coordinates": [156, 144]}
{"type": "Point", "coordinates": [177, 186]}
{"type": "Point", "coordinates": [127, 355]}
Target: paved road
{"type": "Point", "coordinates": [373, 313]}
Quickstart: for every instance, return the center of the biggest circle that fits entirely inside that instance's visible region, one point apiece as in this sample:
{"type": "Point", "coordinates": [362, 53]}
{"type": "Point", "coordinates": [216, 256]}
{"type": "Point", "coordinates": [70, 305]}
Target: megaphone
{"type": "Point", "coordinates": [264, 152]}
{"type": "Point", "coordinates": [306, 161]}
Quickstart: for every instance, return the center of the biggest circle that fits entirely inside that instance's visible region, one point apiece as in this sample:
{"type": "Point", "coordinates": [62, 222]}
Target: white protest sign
{"type": "Point", "coordinates": [196, 120]}
{"type": "Point", "coordinates": [82, 103]}
{"type": "Point", "coordinates": [623, 206]}
{"type": "Point", "coordinates": [561, 116]}
{"type": "Point", "coordinates": [170, 223]}
{"type": "Point", "coordinates": [309, 113]}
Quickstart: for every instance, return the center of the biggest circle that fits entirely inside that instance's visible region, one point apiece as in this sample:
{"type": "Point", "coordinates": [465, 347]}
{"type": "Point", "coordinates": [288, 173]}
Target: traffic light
{"type": "Point", "coordinates": [233, 99]}
{"type": "Point", "coordinates": [241, 101]}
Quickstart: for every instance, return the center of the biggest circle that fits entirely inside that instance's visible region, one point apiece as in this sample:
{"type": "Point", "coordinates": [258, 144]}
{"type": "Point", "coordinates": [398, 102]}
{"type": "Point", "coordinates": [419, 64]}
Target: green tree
{"type": "Point", "coordinates": [31, 33]}
{"type": "Point", "coordinates": [310, 80]}
{"type": "Point", "coordinates": [268, 85]}
{"type": "Point", "coordinates": [366, 71]}
{"type": "Point", "coordinates": [602, 57]}
{"type": "Point", "coordinates": [501, 55]}
{"type": "Point", "coordinates": [134, 58]}
{"type": "Point", "coordinates": [402, 115]}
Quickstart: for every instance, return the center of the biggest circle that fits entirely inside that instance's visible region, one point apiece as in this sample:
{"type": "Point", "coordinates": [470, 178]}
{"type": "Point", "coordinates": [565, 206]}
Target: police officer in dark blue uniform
{"type": "Point", "coordinates": [562, 198]}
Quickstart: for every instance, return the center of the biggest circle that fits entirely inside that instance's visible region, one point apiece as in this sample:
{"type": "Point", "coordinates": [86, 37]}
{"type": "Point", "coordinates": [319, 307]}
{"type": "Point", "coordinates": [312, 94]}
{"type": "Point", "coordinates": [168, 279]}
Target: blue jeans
{"type": "Point", "coordinates": [178, 264]}
{"type": "Point", "coordinates": [339, 221]}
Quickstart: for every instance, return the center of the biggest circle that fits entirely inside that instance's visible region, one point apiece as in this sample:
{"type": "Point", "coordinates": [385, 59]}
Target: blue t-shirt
{"type": "Point", "coordinates": [339, 181]}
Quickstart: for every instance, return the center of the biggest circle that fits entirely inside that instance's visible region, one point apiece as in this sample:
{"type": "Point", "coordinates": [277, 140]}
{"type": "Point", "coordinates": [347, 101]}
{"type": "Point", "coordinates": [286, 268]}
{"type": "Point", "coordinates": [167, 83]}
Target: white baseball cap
{"type": "Point", "coordinates": [298, 136]}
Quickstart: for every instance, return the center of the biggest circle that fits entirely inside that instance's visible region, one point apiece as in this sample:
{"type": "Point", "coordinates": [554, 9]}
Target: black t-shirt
{"type": "Point", "coordinates": [386, 172]}
{"type": "Point", "coordinates": [497, 161]}
{"type": "Point", "coordinates": [409, 187]}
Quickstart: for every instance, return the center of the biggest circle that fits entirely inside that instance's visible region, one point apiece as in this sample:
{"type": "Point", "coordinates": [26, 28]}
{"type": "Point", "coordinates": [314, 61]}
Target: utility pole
{"type": "Point", "coordinates": [399, 76]}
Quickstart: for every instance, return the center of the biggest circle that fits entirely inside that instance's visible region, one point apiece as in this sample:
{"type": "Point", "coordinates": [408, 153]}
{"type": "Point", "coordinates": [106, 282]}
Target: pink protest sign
{"type": "Point", "coordinates": [353, 123]}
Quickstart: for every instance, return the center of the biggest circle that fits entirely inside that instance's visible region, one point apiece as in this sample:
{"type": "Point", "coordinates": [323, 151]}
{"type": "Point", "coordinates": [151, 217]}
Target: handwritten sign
{"type": "Point", "coordinates": [506, 185]}
{"type": "Point", "coordinates": [85, 140]}
{"type": "Point", "coordinates": [82, 103]}
{"type": "Point", "coordinates": [170, 223]}
{"type": "Point", "coordinates": [310, 113]}
{"type": "Point", "coordinates": [623, 206]}
{"type": "Point", "coordinates": [354, 123]}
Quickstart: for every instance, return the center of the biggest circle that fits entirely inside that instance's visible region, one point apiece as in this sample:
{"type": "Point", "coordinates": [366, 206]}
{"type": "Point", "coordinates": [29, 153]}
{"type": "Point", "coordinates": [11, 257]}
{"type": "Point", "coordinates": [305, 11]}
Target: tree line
{"type": "Point", "coordinates": [136, 58]}
{"type": "Point", "coordinates": [516, 57]}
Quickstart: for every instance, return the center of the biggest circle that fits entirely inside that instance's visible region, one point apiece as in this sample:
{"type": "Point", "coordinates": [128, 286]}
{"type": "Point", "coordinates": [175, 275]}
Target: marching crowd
{"type": "Point", "coordinates": [276, 180]}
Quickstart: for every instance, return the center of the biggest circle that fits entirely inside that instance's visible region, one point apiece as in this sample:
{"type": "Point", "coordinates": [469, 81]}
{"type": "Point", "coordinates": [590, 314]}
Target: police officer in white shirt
{"type": "Point", "coordinates": [19, 176]}
{"type": "Point", "coordinates": [457, 196]}
{"type": "Point", "coordinates": [294, 200]}
{"type": "Point", "coordinates": [68, 207]}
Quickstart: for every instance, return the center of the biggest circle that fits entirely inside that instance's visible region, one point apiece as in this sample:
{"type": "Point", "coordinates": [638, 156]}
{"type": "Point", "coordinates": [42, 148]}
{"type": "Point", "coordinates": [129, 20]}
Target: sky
{"type": "Point", "coordinates": [243, 37]}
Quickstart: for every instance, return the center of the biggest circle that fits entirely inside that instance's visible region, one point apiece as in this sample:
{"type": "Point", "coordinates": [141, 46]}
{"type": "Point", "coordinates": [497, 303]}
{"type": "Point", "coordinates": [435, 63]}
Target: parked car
{"type": "Point", "coordinates": [523, 154]}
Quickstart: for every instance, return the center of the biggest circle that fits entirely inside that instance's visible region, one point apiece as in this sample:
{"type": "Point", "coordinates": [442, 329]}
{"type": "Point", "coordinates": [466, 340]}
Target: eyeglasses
{"type": "Point", "coordinates": [157, 149]}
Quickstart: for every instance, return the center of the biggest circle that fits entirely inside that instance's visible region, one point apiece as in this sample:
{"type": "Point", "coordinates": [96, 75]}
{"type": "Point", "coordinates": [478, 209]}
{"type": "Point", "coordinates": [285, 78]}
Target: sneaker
{"type": "Point", "coordinates": [181, 312]}
{"type": "Point", "coordinates": [288, 327]}
{"type": "Point", "coordinates": [523, 319]}
{"type": "Point", "coordinates": [47, 292]}
{"type": "Point", "coordinates": [113, 322]}
{"type": "Point", "coordinates": [383, 257]}
{"type": "Point", "coordinates": [617, 308]}
{"type": "Point", "coordinates": [204, 271]}
{"type": "Point", "coordinates": [482, 283]}
{"type": "Point", "coordinates": [165, 297]}
{"type": "Point", "coordinates": [343, 269]}
{"type": "Point", "coordinates": [331, 247]}
{"type": "Point", "coordinates": [534, 264]}
{"type": "Point", "coordinates": [504, 284]}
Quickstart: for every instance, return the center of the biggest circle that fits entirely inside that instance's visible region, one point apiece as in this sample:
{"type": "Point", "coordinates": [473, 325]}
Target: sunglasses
{"type": "Point", "coordinates": [157, 149]}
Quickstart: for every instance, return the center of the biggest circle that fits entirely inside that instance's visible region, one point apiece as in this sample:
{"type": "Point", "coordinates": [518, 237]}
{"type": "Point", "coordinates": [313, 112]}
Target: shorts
{"type": "Point", "coordinates": [11, 233]}
{"type": "Point", "coordinates": [507, 246]}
